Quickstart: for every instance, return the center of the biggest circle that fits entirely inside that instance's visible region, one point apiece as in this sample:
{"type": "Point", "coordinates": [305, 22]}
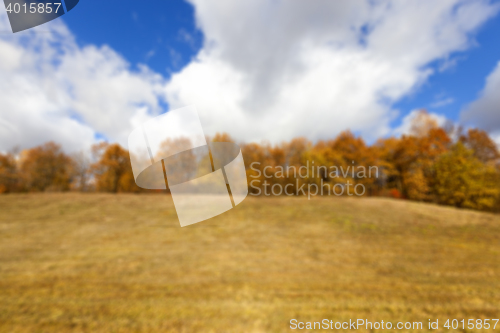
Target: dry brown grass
{"type": "Point", "coordinates": [121, 263]}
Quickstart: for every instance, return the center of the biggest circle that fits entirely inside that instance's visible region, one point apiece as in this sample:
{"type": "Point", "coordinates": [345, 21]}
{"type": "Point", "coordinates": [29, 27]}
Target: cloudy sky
{"type": "Point", "coordinates": [258, 70]}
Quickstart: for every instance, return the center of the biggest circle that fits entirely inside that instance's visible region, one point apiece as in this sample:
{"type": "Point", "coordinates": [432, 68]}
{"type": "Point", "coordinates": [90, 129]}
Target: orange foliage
{"type": "Point", "coordinates": [46, 168]}
{"type": "Point", "coordinates": [425, 165]}
{"type": "Point", "coordinates": [484, 149]}
{"type": "Point", "coordinates": [8, 174]}
{"type": "Point", "coordinates": [113, 171]}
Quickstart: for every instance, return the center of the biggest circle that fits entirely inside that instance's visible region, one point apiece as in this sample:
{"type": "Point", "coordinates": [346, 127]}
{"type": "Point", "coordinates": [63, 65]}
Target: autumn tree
{"type": "Point", "coordinates": [81, 171]}
{"type": "Point", "coordinates": [320, 158]}
{"type": "Point", "coordinates": [389, 181]}
{"type": "Point", "coordinates": [256, 157]}
{"type": "Point", "coordinates": [221, 137]}
{"type": "Point", "coordinates": [462, 180]}
{"type": "Point", "coordinates": [425, 164]}
{"type": "Point", "coordinates": [422, 123]}
{"type": "Point", "coordinates": [9, 175]}
{"type": "Point", "coordinates": [415, 154]}
{"type": "Point", "coordinates": [352, 153]}
{"type": "Point", "coordinates": [46, 168]}
{"type": "Point", "coordinates": [294, 151]}
{"type": "Point", "coordinates": [113, 171]}
{"type": "Point", "coordinates": [482, 146]}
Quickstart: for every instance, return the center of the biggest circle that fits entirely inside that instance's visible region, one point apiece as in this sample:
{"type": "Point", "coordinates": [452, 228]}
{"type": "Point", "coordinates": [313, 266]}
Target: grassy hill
{"type": "Point", "coordinates": [121, 263]}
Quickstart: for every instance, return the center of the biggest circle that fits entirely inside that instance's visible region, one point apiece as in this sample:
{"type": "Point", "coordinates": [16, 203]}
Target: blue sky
{"type": "Point", "coordinates": [160, 34]}
{"type": "Point", "coordinates": [164, 36]}
{"type": "Point", "coordinates": [258, 70]}
{"type": "Point", "coordinates": [461, 83]}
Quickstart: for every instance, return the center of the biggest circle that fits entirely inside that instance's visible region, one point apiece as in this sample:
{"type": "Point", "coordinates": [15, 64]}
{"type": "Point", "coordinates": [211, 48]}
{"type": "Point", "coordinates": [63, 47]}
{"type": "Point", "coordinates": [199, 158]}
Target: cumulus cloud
{"type": "Point", "coordinates": [496, 138]}
{"type": "Point", "coordinates": [485, 111]}
{"type": "Point", "coordinates": [277, 69]}
{"type": "Point", "coordinates": [268, 70]}
{"type": "Point", "coordinates": [52, 89]}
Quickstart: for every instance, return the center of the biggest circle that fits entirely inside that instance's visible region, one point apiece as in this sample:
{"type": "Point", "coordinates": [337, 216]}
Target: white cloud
{"type": "Point", "coordinates": [496, 138]}
{"type": "Point", "coordinates": [277, 69]}
{"type": "Point", "coordinates": [52, 89]}
{"type": "Point", "coordinates": [269, 70]}
{"type": "Point", "coordinates": [485, 111]}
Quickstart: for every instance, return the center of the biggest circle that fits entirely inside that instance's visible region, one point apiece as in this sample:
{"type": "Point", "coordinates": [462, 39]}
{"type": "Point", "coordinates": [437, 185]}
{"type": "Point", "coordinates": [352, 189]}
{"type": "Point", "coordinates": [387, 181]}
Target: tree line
{"type": "Point", "coordinates": [432, 163]}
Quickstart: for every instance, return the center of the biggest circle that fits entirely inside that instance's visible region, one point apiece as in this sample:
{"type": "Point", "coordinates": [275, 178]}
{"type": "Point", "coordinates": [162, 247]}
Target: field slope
{"type": "Point", "coordinates": [121, 263]}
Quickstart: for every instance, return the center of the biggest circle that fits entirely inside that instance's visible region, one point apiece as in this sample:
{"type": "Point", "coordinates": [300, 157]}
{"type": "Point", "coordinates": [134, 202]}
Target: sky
{"type": "Point", "coordinates": [258, 70]}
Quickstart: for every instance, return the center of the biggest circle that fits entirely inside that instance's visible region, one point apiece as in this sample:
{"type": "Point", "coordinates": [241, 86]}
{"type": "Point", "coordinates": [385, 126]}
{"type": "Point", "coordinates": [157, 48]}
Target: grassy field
{"type": "Point", "coordinates": [121, 263]}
